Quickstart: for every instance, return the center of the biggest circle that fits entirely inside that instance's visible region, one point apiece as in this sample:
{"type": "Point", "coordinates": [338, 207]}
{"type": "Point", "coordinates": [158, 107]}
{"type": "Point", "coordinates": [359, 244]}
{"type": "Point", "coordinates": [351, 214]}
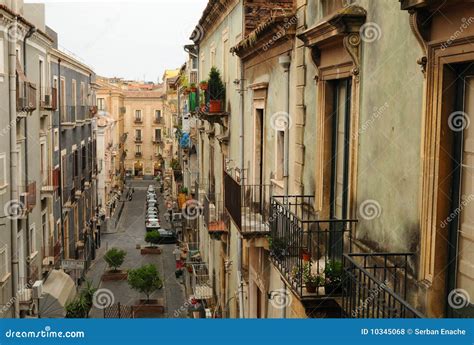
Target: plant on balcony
{"type": "Point", "coordinates": [277, 248]}
{"type": "Point", "coordinates": [312, 281]}
{"type": "Point", "coordinates": [193, 87]}
{"type": "Point", "coordinates": [80, 306]}
{"type": "Point", "coordinates": [114, 259]}
{"type": "Point", "coordinates": [146, 280]}
{"type": "Point", "coordinates": [176, 167]}
{"type": "Point", "coordinates": [216, 91]}
{"type": "Point", "coordinates": [333, 273]}
{"type": "Point", "coordinates": [203, 84]}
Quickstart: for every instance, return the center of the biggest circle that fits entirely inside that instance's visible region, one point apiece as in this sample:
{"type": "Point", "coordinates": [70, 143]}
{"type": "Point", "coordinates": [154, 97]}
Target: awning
{"type": "Point", "coordinates": [58, 290]}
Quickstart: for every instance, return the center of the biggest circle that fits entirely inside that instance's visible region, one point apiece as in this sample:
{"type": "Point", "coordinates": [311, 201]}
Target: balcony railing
{"type": "Point", "coordinates": [376, 285]}
{"type": "Point", "coordinates": [49, 97]}
{"type": "Point", "coordinates": [138, 120]}
{"type": "Point", "coordinates": [250, 212]}
{"type": "Point", "coordinates": [50, 181]}
{"type": "Point", "coordinates": [82, 112]}
{"type": "Point", "coordinates": [68, 114]}
{"type": "Point", "coordinates": [138, 154]}
{"type": "Point", "coordinates": [158, 120]}
{"type": "Point", "coordinates": [27, 198]}
{"type": "Point", "coordinates": [200, 281]}
{"type": "Point", "coordinates": [25, 96]}
{"type": "Point", "coordinates": [302, 246]}
{"type": "Point", "coordinates": [138, 139]}
{"type": "Point", "coordinates": [215, 218]}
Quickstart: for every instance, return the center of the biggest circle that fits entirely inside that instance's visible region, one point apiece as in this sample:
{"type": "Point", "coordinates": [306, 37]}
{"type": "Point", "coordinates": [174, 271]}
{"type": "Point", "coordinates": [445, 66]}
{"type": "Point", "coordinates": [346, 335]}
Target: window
{"type": "Point", "coordinates": [63, 100]}
{"type": "Point", "coordinates": [213, 57]}
{"type": "Point", "coordinates": [42, 80]}
{"type": "Point", "coordinates": [4, 264]}
{"type": "Point", "coordinates": [138, 134]}
{"type": "Point", "coordinates": [83, 93]}
{"type": "Point", "coordinates": [55, 85]}
{"type": "Point", "coordinates": [101, 104]}
{"type": "Point", "coordinates": [63, 173]}
{"type": "Point", "coordinates": [158, 116]}
{"type": "Point", "coordinates": [3, 170]}
{"type": "Point", "coordinates": [74, 99]}
{"type": "Point", "coordinates": [2, 58]}
{"type": "Point", "coordinates": [44, 163]}
{"type": "Point", "coordinates": [157, 134]}
{"type": "Point", "coordinates": [75, 167]}
{"type": "Point", "coordinates": [280, 153]}
{"type": "Point", "coordinates": [84, 158]}
{"type": "Point", "coordinates": [138, 148]}
{"type": "Point", "coordinates": [56, 139]}
{"type": "Point", "coordinates": [138, 115]}
{"type": "Point", "coordinates": [32, 240]}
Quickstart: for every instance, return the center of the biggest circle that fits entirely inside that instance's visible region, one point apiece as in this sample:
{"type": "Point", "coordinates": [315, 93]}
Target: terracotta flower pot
{"type": "Point", "coordinates": [214, 106]}
{"type": "Point", "coordinates": [203, 86]}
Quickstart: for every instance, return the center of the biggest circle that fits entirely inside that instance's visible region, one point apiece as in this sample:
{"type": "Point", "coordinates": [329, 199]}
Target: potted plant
{"type": "Point", "coordinates": [277, 247]}
{"type": "Point", "coordinates": [153, 238]}
{"type": "Point", "coordinates": [193, 87]}
{"type": "Point", "coordinates": [333, 273]}
{"type": "Point", "coordinates": [146, 280]}
{"type": "Point", "coordinates": [203, 84]}
{"type": "Point", "coordinates": [216, 91]}
{"type": "Point", "coordinates": [81, 305]}
{"type": "Point", "coordinates": [305, 255]}
{"type": "Point", "coordinates": [114, 259]}
{"type": "Point", "coordinates": [312, 281]}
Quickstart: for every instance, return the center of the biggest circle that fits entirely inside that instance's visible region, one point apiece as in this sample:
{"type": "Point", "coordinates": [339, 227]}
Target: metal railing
{"type": "Point", "coordinates": [303, 246]}
{"type": "Point", "coordinates": [48, 98]}
{"type": "Point", "coordinates": [250, 212]}
{"type": "Point", "coordinates": [375, 286]}
{"type": "Point", "coordinates": [215, 218]}
{"type": "Point", "coordinates": [25, 96]}
{"type": "Point", "coordinates": [200, 281]}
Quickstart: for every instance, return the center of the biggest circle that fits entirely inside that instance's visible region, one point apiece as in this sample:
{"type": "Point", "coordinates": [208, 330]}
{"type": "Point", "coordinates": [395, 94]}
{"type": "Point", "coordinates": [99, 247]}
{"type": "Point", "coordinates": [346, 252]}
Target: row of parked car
{"type": "Point", "coordinates": [152, 217]}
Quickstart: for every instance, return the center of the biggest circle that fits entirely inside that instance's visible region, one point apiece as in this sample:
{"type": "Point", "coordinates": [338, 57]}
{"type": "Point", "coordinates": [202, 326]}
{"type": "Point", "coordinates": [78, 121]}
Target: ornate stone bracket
{"type": "Point", "coordinates": [316, 59]}
{"type": "Point", "coordinates": [416, 28]}
{"type": "Point", "coordinates": [352, 45]}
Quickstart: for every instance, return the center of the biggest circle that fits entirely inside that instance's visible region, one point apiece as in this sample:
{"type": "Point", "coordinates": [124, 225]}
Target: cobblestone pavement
{"type": "Point", "coordinates": [130, 233]}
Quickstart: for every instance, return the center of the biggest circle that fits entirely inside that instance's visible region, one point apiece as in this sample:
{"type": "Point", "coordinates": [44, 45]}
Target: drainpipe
{"type": "Point", "coordinates": [242, 164]}
{"type": "Point", "coordinates": [14, 193]}
{"type": "Point", "coordinates": [30, 32]}
{"type": "Point", "coordinates": [60, 158]}
{"type": "Point", "coordinates": [284, 62]}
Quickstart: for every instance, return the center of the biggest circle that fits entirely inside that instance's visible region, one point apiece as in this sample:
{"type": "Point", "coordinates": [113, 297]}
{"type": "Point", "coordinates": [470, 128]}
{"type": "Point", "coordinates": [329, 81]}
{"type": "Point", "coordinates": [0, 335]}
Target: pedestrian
{"type": "Point", "coordinates": [177, 256]}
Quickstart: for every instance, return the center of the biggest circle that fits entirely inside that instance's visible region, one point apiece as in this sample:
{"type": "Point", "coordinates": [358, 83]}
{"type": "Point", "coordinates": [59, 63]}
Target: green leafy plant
{"type": "Point", "coordinates": [215, 85]}
{"type": "Point", "coordinates": [145, 279]}
{"type": "Point", "coordinates": [184, 190]}
{"type": "Point", "coordinates": [333, 271]}
{"type": "Point", "coordinates": [310, 278]}
{"type": "Point", "coordinates": [78, 308]}
{"type": "Point", "coordinates": [88, 293]}
{"type": "Point", "coordinates": [114, 258]}
{"type": "Point", "coordinates": [152, 237]}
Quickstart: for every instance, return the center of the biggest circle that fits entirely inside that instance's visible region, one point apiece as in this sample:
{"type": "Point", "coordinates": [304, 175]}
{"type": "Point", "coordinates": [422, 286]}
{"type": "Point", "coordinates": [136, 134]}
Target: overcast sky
{"type": "Point", "coordinates": [134, 39]}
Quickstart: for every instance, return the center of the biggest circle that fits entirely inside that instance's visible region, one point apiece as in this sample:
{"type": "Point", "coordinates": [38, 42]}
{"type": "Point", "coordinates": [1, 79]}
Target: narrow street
{"type": "Point", "coordinates": [130, 232]}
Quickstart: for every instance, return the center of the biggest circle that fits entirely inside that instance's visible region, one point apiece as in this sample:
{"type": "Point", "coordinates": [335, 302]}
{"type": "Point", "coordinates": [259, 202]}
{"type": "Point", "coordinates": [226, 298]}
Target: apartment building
{"type": "Point", "coordinates": [74, 155]}
{"type": "Point", "coordinates": [350, 172]}
{"type": "Point", "coordinates": [111, 136]}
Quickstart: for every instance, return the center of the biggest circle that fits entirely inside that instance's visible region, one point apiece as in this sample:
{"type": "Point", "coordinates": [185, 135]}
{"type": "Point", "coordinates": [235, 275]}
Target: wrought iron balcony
{"type": "Point", "coordinates": [200, 281]}
{"type": "Point", "coordinates": [25, 97]}
{"type": "Point", "coordinates": [138, 154]}
{"type": "Point", "coordinates": [215, 217]}
{"type": "Point", "coordinates": [138, 120]}
{"type": "Point", "coordinates": [49, 181]}
{"type": "Point", "coordinates": [304, 248]}
{"type": "Point", "coordinates": [251, 211]}
{"type": "Point", "coordinates": [138, 139]}
{"type": "Point", "coordinates": [49, 97]}
{"type": "Point", "coordinates": [159, 120]}
{"type": "Point", "coordinates": [376, 285]}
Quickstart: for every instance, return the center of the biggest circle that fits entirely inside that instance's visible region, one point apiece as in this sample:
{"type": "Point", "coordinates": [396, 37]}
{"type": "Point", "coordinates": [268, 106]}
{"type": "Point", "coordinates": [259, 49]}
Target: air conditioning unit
{"type": "Point", "coordinates": [37, 289]}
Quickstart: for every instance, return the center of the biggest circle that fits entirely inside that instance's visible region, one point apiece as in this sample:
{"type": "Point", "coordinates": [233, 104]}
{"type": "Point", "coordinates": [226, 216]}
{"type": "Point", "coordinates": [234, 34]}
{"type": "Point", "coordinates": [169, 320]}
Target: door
{"type": "Point", "coordinates": [340, 149]}
{"type": "Point", "coordinates": [461, 232]}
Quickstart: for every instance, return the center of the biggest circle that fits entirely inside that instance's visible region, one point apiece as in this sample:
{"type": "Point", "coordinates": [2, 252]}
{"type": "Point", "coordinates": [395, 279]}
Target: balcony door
{"type": "Point", "coordinates": [461, 229]}
{"type": "Point", "coordinates": [341, 105]}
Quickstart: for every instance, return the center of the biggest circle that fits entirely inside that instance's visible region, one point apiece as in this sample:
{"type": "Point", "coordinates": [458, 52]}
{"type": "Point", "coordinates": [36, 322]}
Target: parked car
{"type": "Point", "coordinates": [151, 209]}
{"type": "Point", "coordinates": [150, 194]}
{"type": "Point", "coordinates": [166, 236]}
{"type": "Point", "coordinates": [152, 213]}
{"type": "Point", "coordinates": [151, 187]}
{"type": "Point", "coordinates": [150, 226]}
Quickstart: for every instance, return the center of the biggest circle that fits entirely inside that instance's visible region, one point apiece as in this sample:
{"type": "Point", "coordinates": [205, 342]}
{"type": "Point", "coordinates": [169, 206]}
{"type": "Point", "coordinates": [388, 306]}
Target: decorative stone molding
{"type": "Point", "coordinates": [343, 25]}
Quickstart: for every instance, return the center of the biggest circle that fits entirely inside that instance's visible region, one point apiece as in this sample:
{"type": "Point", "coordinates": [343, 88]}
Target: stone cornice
{"type": "Point", "coordinates": [215, 10]}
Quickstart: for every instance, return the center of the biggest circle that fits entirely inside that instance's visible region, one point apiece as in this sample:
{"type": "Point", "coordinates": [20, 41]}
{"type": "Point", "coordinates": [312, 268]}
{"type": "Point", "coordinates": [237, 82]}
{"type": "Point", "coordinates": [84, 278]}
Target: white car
{"type": "Point", "coordinates": [151, 187]}
{"type": "Point", "coordinates": [151, 209]}
{"type": "Point", "coordinates": [153, 224]}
